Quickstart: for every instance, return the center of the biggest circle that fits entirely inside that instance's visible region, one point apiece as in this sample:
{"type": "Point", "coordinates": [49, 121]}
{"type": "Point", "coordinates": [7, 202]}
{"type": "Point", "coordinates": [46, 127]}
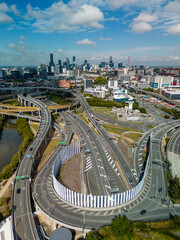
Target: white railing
{"type": "Point", "coordinates": [83, 200]}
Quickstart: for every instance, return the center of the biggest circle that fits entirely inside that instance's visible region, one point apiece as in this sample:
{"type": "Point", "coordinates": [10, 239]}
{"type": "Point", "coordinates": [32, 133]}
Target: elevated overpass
{"type": "Point", "coordinates": [23, 221]}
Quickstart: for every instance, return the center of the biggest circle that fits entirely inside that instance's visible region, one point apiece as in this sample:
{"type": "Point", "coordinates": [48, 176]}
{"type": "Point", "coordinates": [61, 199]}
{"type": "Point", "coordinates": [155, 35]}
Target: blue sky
{"type": "Point", "coordinates": [146, 30]}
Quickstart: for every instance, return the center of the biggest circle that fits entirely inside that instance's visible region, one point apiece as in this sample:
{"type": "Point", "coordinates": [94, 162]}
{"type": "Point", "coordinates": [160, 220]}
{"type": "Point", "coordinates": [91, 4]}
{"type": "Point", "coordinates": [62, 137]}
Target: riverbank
{"type": "Point", "coordinates": [1, 124]}
{"type": "Point", "coordinates": [27, 137]}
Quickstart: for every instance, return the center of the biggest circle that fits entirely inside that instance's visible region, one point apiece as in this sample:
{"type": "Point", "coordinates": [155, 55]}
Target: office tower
{"type": "Point", "coordinates": [120, 65]}
{"type": "Point", "coordinates": [85, 62]}
{"type": "Point", "coordinates": [88, 83]}
{"type": "Point", "coordinates": [51, 63]}
{"type": "Point", "coordinates": [111, 64]}
{"type": "Point", "coordinates": [74, 59]}
{"type": "Point", "coordinates": [60, 66]}
{"type": "Point", "coordinates": [67, 63]}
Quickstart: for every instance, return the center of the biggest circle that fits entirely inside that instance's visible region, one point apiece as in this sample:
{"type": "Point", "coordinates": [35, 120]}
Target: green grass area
{"type": "Point", "coordinates": [35, 126]}
{"type": "Point", "coordinates": [117, 129]}
{"type": "Point", "coordinates": [164, 230]}
{"type": "Point", "coordinates": [52, 144]}
{"type": "Point", "coordinates": [150, 126]}
{"type": "Point", "coordinates": [80, 114]}
{"type": "Point", "coordinates": [104, 110]}
{"type": "Point", "coordinates": [133, 136]}
{"type": "Point", "coordinates": [13, 103]}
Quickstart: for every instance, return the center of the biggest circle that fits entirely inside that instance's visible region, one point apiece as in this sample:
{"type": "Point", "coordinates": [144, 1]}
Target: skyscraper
{"type": "Point", "coordinates": [51, 63]}
{"type": "Point", "coordinates": [74, 59]}
{"type": "Point", "coordinates": [111, 64]}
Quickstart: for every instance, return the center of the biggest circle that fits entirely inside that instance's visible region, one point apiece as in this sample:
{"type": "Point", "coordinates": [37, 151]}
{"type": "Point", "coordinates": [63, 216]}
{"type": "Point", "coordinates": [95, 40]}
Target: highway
{"type": "Point", "coordinates": [153, 198]}
{"type": "Point", "coordinates": [103, 161]}
{"type": "Point", "coordinates": [157, 95]}
{"type": "Point", "coordinates": [24, 227]}
{"type": "Point", "coordinates": [128, 171]}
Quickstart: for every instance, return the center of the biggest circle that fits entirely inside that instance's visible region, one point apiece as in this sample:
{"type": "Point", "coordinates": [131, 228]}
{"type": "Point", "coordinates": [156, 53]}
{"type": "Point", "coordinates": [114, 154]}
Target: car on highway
{"type": "Point", "coordinates": [31, 149]}
{"type": "Point", "coordinates": [18, 190]}
{"type": "Point", "coordinates": [143, 212]}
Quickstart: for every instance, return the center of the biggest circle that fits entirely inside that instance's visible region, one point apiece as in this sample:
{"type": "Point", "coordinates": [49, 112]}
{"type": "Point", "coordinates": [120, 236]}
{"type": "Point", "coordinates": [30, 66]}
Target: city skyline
{"type": "Point", "coordinates": [89, 29]}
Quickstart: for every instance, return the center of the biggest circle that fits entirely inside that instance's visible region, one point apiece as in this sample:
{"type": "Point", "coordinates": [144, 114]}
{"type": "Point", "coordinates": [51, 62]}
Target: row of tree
{"type": "Point", "coordinates": [60, 98]}
{"type": "Point", "coordinates": [95, 101]}
{"type": "Point", "coordinates": [173, 112]}
{"type": "Point", "coordinates": [27, 136]}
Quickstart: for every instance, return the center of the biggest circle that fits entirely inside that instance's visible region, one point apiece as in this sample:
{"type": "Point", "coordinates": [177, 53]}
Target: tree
{"type": "Point", "coordinates": [82, 89]}
{"type": "Point", "coordinates": [122, 228]}
{"type": "Point", "coordinates": [177, 220]}
{"type": "Point", "coordinates": [94, 236]}
{"type": "Point", "coordinates": [1, 216]}
{"type": "Point", "coordinates": [142, 110]}
{"type": "Point", "coordinates": [100, 81]}
{"type": "Point", "coordinates": [175, 188]}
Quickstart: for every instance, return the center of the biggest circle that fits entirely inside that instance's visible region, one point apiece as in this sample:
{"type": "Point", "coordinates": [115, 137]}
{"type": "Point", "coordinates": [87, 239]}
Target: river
{"type": "Point", "coordinates": [10, 141]}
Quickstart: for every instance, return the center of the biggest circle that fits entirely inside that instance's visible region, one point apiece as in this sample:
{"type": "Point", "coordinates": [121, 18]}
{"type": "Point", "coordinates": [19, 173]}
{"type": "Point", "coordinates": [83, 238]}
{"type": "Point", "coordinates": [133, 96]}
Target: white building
{"type": "Point", "coordinates": [120, 95]}
{"type": "Point", "coordinates": [113, 84]}
{"type": "Point", "coordinates": [160, 81]}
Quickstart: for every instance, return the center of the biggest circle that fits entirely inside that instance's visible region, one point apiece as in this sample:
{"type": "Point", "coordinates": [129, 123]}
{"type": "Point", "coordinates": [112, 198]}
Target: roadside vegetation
{"type": "Point", "coordinates": [136, 107]}
{"type": "Point", "coordinates": [151, 90]}
{"type": "Point", "coordinates": [27, 136]}
{"type": "Point", "coordinates": [60, 97]}
{"type": "Point", "coordinates": [172, 112]}
{"type": "Point", "coordinates": [1, 124]}
{"type": "Point", "coordinates": [122, 228]}
{"type": "Point", "coordinates": [13, 103]}
{"type": "Point", "coordinates": [95, 101]}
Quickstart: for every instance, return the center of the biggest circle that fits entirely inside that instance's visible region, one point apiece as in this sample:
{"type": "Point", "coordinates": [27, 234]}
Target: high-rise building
{"type": "Point", "coordinates": [74, 59]}
{"type": "Point", "coordinates": [51, 63]}
{"type": "Point", "coordinates": [111, 64]}
{"type": "Point", "coordinates": [120, 65]}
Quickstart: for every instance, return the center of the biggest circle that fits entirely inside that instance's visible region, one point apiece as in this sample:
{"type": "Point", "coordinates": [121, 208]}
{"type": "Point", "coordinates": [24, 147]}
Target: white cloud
{"type": "Point", "coordinates": [105, 39]}
{"type": "Point", "coordinates": [4, 7]}
{"type": "Point", "coordinates": [175, 29]}
{"type": "Point", "coordinates": [86, 42]}
{"type": "Point", "coordinates": [141, 27]}
{"type": "Point", "coordinates": [11, 45]}
{"type": "Point", "coordinates": [145, 17]}
{"type": "Point", "coordinates": [21, 42]}
{"type": "Point", "coordinates": [15, 10]}
{"type": "Point", "coordinates": [173, 6]}
{"type": "Point", "coordinates": [120, 3]}
{"type": "Point", "coordinates": [4, 18]}
{"type": "Point", "coordinates": [22, 37]}
{"type": "Point", "coordinates": [65, 17]}
{"type": "Point", "coordinates": [87, 16]}
{"type": "Point", "coordinates": [60, 50]}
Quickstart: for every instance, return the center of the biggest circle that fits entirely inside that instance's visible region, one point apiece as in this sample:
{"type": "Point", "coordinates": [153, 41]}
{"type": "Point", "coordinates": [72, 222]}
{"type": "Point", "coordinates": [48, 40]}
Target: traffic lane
{"type": "Point", "coordinates": [117, 182]}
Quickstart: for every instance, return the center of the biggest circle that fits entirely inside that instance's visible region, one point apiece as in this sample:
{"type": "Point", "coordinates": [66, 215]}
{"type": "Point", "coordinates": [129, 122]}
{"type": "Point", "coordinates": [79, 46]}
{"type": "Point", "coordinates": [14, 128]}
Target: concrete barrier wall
{"type": "Point", "coordinates": [83, 200]}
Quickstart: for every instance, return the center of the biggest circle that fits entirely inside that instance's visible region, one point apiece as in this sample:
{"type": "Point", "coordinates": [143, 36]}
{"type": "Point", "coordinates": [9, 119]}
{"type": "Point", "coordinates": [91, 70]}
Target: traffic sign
{"type": "Point", "coordinates": [62, 142]}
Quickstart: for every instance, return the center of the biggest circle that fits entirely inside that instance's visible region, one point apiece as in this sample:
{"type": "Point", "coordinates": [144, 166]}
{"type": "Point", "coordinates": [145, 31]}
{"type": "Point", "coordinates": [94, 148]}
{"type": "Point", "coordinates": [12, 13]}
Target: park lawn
{"type": "Point", "coordinates": [35, 126]}
{"type": "Point", "coordinates": [104, 110]}
{"type": "Point", "coordinates": [133, 136]}
{"type": "Point", "coordinates": [117, 129]}
{"type": "Point", "coordinates": [52, 144]}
